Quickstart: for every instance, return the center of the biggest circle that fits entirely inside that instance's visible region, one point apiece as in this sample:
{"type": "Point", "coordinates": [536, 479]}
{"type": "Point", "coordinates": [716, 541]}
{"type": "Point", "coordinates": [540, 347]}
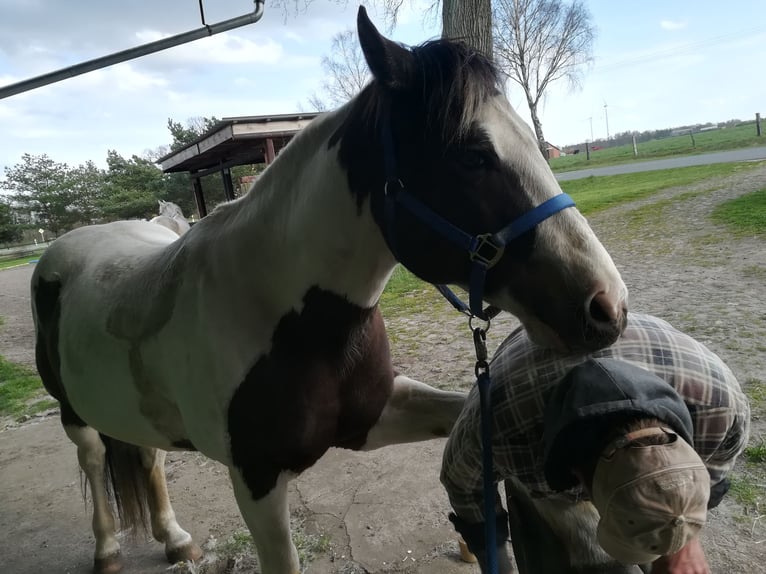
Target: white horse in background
{"type": "Point", "coordinates": [172, 217]}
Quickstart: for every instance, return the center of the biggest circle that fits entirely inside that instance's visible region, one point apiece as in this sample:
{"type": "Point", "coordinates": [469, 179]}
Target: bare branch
{"type": "Point", "coordinates": [345, 71]}
{"type": "Point", "coordinates": [538, 42]}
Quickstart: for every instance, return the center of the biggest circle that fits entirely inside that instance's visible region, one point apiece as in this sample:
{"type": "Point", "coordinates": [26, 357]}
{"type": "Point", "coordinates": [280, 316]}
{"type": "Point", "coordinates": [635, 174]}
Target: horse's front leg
{"type": "Point", "coordinates": [268, 519]}
{"type": "Point", "coordinates": [179, 545]}
{"type": "Point", "coordinates": [415, 412]}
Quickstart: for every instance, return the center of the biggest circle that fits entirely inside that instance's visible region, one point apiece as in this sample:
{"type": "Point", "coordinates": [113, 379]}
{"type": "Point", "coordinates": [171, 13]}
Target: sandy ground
{"type": "Point", "coordinates": [385, 511]}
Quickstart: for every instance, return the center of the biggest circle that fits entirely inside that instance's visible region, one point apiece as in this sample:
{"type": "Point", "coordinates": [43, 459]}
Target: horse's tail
{"type": "Point", "coordinates": [127, 483]}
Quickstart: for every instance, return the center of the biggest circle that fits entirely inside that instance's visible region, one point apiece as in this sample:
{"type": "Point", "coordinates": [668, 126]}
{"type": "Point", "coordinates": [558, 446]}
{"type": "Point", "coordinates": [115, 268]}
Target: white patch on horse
{"type": "Point", "coordinates": [268, 520]}
{"type": "Point", "coordinates": [565, 235]}
{"type": "Point", "coordinates": [415, 412]}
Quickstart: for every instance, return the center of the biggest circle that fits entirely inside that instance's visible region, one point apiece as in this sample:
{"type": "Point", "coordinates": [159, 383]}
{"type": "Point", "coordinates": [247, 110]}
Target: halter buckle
{"type": "Point", "coordinates": [487, 251]}
{"type": "Point", "coordinates": [392, 183]}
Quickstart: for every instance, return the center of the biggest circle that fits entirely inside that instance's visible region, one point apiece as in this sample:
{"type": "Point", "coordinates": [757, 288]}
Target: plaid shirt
{"type": "Point", "coordinates": [522, 374]}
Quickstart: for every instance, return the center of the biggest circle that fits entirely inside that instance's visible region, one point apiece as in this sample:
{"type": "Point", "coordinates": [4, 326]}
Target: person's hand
{"type": "Point", "coordinates": [689, 560]}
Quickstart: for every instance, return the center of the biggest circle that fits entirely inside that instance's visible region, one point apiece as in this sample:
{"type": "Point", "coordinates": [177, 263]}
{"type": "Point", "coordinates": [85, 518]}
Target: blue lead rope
{"type": "Point", "coordinates": [488, 472]}
{"type": "Point", "coordinates": [484, 251]}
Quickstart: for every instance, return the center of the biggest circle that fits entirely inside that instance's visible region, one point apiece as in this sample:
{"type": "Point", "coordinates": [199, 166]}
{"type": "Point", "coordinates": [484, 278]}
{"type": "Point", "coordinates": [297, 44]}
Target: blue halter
{"type": "Point", "coordinates": [484, 251]}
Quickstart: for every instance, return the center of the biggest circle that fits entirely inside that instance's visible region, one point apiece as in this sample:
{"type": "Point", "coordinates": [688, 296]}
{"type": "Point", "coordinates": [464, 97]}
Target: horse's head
{"type": "Point", "coordinates": [435, 119]}
{"type": "Point", "coordinates": [170, 209]}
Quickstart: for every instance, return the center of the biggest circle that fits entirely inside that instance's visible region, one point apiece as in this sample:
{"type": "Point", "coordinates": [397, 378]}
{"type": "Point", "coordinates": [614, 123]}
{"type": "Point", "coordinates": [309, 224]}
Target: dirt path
{"type": "Point", "coordinates": [385, 511]}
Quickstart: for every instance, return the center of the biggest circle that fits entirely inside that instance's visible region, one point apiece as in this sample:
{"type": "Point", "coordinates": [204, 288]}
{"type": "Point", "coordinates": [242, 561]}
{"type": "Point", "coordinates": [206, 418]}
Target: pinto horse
{"type": "Point", "coordinates": [255, 338]}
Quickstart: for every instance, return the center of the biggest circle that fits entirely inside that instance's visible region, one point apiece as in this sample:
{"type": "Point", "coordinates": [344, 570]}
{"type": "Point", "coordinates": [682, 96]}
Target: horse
{"type": "Point", "coordinates": [256, 339]}
{"type": "Point", "coordinates": [172, 217]}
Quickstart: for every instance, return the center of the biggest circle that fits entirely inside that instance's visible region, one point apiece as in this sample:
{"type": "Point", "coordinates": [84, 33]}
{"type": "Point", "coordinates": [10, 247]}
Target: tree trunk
{"type": "Point", "coordinates": [538, 126]}
{"type": "Point", "coordinates": [470, 21]}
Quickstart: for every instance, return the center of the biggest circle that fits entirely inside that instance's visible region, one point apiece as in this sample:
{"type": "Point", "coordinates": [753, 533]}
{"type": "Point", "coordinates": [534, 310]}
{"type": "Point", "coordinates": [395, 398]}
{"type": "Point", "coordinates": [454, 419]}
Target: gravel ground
{"type": "Point", "coordinates": [677, 264]}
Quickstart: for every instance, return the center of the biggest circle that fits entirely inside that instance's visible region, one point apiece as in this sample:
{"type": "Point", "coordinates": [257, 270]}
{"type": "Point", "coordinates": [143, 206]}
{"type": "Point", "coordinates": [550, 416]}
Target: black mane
{"type": "Point", "coordinates": [448, 83]}
{"type": "Point", "coordinates": [453, 80]}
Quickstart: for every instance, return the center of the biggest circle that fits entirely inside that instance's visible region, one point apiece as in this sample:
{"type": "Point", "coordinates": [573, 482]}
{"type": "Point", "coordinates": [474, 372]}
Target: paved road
{"type": "Point", "coordinates": [747, 154]}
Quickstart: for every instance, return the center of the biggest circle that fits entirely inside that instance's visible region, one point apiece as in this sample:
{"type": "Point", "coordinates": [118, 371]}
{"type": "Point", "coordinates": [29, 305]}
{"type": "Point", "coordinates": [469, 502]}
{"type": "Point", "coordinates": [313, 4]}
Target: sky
{"type": "Point", "coordinates": [657, 64]}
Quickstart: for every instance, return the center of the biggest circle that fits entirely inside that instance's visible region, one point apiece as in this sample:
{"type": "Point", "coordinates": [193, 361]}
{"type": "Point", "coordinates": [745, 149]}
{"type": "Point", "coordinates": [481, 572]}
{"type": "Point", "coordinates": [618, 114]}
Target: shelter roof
{"type": "Point", "coordinates": [236, 141]}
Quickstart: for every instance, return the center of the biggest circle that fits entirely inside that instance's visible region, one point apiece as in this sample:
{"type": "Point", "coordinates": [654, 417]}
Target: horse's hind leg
{"type": "Point", "coordinates": [91, 455]}
{"type": "Point", "coordinates": [268, 519]}
{"type": "Point", "coordinates": [179, 545]}
{"type": "Point", "coordinates": [415, 412]}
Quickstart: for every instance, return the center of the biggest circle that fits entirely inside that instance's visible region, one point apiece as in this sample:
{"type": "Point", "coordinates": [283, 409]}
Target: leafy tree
{"type": "Point", "coordinates": [48, 192]}
{"type": "Point", "coordinates": [10, 231]}
{"type": "Point", "coordinates": [538, 42]}
{"type": "Point", "coordinates": [131, 188]}
{"type": "Point", "coordinates": [183, 135]}
{"type": "Point", "coordinates": [86, 185]}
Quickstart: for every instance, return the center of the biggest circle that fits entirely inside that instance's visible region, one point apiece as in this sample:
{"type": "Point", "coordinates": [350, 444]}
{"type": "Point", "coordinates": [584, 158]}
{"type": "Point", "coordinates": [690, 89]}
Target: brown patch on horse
{"type": "Point", "coordinates": [47, 298]}
{"type": "Point", "coordinates": [324, 383]}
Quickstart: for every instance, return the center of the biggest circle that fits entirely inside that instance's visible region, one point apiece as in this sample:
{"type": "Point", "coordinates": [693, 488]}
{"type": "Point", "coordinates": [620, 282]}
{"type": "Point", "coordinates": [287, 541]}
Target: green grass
{"type": "Point", "coordinates": [744, 216]}
{"type": "Point", "coordinates": [18, 386]}
{"type": "Point", "coordinates": [755, 390]}
{"type": "Point", "coordinates": [594, 194]}
{"type": "Point", "coordinates": [756, 453]}
{"type": "Point", "coordinates": [747, 491]}
{"type": "Point", "coordinates": [724, 139]}
{"type": "Point", "coordinates": [405, 294]}
{"type": "Point", "coordinates": [5, 263]}
{"type": "Point", "coordinates": [240, 543]}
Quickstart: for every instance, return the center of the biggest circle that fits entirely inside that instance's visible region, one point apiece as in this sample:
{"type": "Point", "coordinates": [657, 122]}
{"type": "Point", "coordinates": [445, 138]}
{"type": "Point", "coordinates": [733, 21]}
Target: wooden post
{"type": "Point", "coordinates": [198, 196]}
{"type": "Point", "coordinates": [758, 124]}
{"type": "Point", "coordinates": [270, 155]}
{"type": "Point", "coordinates": [691, 135]}
{"type": "Point", "coordinates": [635, 147]}
{"type": "Point", "coordinates": [228, 185]}
{"type": "Point", "coordinates": [587, 151]}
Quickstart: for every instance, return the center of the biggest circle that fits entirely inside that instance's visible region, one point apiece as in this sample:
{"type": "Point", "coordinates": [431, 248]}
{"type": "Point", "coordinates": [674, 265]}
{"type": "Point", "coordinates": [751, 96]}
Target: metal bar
{"type": "Point", "coordinates": [132, 53]}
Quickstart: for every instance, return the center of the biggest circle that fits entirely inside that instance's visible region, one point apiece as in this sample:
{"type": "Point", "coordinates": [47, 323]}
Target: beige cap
{"type": "Point", "coordinates": [652, 499]}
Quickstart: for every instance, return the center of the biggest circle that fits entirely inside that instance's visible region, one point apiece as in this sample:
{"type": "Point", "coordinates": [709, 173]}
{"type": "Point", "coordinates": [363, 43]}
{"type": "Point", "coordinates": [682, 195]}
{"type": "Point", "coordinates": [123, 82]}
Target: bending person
{"type": "Point", "coordinates": [609, 459]}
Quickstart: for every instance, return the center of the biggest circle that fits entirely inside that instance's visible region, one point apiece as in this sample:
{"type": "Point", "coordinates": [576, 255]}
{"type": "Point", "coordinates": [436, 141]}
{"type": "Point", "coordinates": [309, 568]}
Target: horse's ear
{"type": "Point", "coordinates": [390, 63]}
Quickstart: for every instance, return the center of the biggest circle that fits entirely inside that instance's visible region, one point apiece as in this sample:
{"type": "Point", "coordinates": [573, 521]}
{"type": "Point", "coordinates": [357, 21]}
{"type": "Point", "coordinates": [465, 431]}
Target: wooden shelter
{"type": "Point", "coordinates": [233, 141]}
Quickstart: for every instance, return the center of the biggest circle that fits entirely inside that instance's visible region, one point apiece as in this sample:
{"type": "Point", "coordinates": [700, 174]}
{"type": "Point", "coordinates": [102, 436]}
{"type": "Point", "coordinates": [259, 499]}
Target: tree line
{"type": "Point", "coordinates": [43, 193]}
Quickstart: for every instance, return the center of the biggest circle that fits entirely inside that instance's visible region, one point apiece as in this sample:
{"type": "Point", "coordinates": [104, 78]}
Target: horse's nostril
{"type": "Point", "coordinates": [603, 308]}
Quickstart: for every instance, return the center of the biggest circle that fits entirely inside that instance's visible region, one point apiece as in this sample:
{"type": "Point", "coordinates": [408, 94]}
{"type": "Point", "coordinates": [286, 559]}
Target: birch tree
{"type": "Point", "coordinates": [538, 42]}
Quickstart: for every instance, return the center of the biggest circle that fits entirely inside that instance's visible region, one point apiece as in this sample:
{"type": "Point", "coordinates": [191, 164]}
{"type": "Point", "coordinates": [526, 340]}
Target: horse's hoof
{"type": "Point", "coordinates": [183, 553]}
{"type": "Point", "coordinates": [465, 554]}
{"type": "Point", "coordinates": [109, 565]}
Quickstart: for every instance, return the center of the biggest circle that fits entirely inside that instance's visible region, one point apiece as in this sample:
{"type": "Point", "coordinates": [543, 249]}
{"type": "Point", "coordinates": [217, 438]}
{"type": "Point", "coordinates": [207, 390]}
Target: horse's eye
{"type": "Point", "coordinates": [472, 159]}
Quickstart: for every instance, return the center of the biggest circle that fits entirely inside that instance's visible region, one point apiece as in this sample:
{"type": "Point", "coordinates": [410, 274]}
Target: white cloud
{"type": "Point", "coordinates": [673, 25]}
{"type": "Point", "coordinates": [221, 49]}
